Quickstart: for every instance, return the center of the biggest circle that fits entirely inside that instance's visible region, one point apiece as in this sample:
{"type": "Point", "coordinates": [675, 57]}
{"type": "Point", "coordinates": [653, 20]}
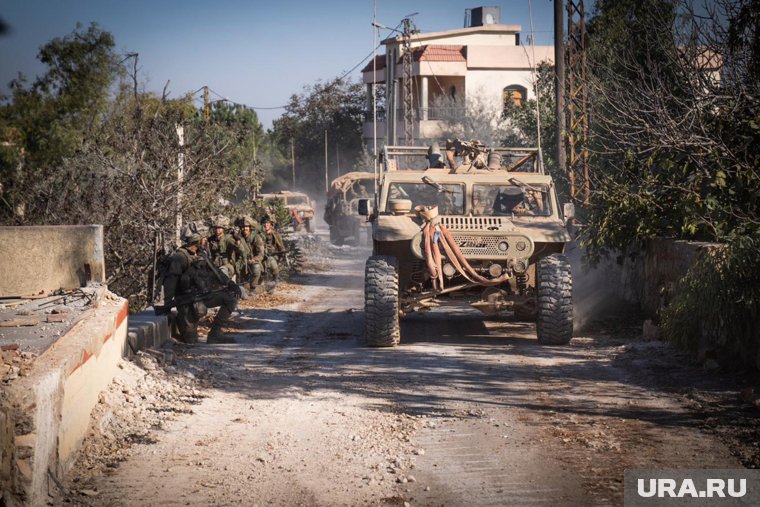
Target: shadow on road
{"type": "Point", "coordinates": [444, 358]}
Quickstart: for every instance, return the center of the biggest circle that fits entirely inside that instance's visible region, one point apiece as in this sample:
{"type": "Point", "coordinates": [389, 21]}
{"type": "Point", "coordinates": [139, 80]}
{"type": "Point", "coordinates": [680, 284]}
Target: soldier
{"type": "Point", "coordinates": [224, 250]}
{"type": "Point", "coordinates": [193, 285]}
{"type": "Point", "coordinates": [479, 204]}
{"type": "Point", "coordinates": [273, 246]}
{"type": "Point", "coordinates": [254, 250]}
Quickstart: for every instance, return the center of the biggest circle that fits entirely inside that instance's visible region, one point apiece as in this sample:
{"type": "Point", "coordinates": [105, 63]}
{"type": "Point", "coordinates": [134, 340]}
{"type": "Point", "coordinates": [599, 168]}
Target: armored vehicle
{"type": "Point", "coordinates": [341, 209]}
{"type": "Point", "coordinates": [481, 226]}
{"type": "Point", "coordinates": [299, 205]}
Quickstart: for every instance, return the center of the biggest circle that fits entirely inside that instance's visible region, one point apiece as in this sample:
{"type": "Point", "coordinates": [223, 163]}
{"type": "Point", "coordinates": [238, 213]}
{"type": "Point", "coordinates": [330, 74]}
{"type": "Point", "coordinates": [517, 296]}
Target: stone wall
{"type": "Point", "coordinates": [45, 258]}
{"type": "Point", "coordinates": [650, 277]}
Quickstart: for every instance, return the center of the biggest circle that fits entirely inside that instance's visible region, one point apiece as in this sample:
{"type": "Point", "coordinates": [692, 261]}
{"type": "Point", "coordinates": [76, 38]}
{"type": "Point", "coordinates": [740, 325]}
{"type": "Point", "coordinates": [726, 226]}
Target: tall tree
{"type": "Point", "coordinates": [336, 107]}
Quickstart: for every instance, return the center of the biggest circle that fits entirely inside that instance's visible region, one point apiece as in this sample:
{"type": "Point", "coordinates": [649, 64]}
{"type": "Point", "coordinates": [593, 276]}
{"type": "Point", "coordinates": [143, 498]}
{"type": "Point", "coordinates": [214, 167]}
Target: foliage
{"type": "Point", "coordinates": [675, 153]}
{"type": "Point", "coordinates": [79, 156]}
{"type": "Point", "coordinates": [48, 120]}
{"type": "Point", "coordinates": [516, 125]}
{"type": "Point", "coordinates": [336, 107]}
{"type": "Point", "coordinates": [723, 288]}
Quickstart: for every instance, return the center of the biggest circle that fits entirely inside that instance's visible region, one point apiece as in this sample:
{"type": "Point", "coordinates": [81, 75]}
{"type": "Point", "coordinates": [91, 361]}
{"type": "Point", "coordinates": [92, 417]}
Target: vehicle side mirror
{"type": "Point", "coordinates": [363, 207]}
{"type": "Point", "coordinates": [568, 210]}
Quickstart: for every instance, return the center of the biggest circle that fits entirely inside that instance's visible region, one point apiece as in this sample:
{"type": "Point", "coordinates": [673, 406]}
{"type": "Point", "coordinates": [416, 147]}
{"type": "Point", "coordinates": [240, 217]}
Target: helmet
{"type": "Point", "coordinates": [198, 227]}
{"type": "Point", "coordinates": [220, 221]}
{"type": "Point", "coordinates": [190, 234]}
{"type": "Point", "coordinates": [266, 219]}
{"type": "Point", "coordinates": [247, 221]}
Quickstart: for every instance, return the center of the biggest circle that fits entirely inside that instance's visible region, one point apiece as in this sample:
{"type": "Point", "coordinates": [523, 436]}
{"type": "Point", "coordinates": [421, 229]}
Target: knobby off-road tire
{"type": "Point", "coordinates": [381, 327]}
{"type": "Point", "coordinates": [335, 237]}
{"type": "Point", "coordinates": [554, 323]}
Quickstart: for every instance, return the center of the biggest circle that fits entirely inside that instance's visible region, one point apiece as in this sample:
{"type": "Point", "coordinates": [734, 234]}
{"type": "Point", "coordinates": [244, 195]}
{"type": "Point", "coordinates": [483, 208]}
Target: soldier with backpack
{"type": "Point", "coordinates": [193, 284]}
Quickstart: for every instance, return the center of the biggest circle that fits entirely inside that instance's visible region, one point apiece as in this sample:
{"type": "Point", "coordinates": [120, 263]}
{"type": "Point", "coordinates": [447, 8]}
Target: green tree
{"type": "Point", "coordinates": [49, 119]}
{"type": "Point", "coordinates": [336, 107]}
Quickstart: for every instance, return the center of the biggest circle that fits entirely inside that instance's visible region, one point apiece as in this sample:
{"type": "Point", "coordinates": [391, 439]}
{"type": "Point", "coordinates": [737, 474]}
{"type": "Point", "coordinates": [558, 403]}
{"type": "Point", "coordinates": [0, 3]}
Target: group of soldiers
{"type": "Point", "coordinates": [210, 267]}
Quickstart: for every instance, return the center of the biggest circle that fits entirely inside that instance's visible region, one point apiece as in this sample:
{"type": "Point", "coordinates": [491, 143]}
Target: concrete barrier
{"type": "Point", "coordinates": [45, 415]}
{"type": "Point", "coordinates": [145, 331]}
{"type": "Point", "coordinates": [45, 258]}
{"type": "Point", "coordinates": [50, 407]}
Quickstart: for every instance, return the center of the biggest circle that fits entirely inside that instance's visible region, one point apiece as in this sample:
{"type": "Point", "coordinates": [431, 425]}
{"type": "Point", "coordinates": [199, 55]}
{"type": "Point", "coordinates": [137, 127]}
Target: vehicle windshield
{"type": "Point", "coordinates": [507, 200]}
{"type": "Point", "coordinates": [297, 199]}
{"type": "Point", "coordinates": [449, 202]}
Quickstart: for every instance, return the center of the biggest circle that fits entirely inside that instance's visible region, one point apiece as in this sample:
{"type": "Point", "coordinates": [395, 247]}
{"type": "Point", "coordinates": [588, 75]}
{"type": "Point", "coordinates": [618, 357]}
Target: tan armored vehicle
{"type": "Point", "coordinates": [341, 209]}
{"type": "Point", "coordinates": [300, 206]}
{"type": "Point", "coordinates": [481, 226]}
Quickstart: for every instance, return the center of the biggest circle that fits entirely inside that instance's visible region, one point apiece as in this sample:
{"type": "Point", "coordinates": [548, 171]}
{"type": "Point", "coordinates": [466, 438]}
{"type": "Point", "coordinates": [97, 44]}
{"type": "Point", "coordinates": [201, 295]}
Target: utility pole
{"type": "Point", "coordinates": [577, 104]}
{"type": "Point", "coordinates": [206, 104]}
{"type": "Point", "coordinates": [559, 85]}
{"type": "Point", "coordinates": [293, 162]}
{"type": "Point", "coordinates": [374, 92]}
{"type": "Point", "coordinates": [408, 93]}
{"type": "Point", "coordinates": [256, 175]}
{"type": "Point", "coordinates": [180, 177]}
{"type": "Point", "coordinates": [326, 182]}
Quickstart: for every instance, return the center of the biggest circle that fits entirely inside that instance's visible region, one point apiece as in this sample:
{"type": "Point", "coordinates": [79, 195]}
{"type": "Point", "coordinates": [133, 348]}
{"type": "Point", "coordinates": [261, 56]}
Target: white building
{"type": "Point", "coordinates": [483, 61]}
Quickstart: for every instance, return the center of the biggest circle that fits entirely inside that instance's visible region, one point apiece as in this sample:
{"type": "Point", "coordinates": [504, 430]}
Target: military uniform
{"type": "Point", "coordinates": [273, 246]}
{"type": "Point", "coordinates": [224, 251]}
{"type": "Point", "coordinates": [253, 251]}
{"type": "Point", "coordinates": [190, 277]}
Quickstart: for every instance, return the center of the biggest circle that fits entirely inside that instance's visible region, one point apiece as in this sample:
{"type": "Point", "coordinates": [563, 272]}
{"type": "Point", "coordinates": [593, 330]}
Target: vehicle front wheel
{"type": "Point", "coordinates": [381, 323]}
{"type": "Point", "coordinates": [309, 225]}
{"type": "Point", "coordinates": [554, 323]}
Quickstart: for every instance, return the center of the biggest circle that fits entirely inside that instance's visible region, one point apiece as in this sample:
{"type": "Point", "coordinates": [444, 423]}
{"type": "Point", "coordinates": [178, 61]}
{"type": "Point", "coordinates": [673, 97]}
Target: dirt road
{"type": "Point", "coordinates": [465, 412]}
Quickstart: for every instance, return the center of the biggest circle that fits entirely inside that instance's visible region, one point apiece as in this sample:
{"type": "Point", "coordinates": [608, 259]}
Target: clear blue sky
{"type": "Point", "coordinates": [254, 52]}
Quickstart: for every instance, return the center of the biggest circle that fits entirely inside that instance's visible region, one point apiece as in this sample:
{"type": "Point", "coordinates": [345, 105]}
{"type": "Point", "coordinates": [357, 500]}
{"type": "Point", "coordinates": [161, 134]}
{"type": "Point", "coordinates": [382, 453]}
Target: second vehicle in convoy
{"type": "Point", "coordinates": [298, 204]}
{"type": "Point", "coordinates": [341, 209]}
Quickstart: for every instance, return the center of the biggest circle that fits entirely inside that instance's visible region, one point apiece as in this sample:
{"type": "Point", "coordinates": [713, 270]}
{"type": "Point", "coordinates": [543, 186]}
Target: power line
{"type": "Point", "coordinates": [324, 90]}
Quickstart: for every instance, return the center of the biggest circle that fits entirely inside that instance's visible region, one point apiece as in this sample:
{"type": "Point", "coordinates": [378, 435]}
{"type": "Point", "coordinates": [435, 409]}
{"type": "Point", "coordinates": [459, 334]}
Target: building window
{"type": "Point", "coordinates": [516, 93]}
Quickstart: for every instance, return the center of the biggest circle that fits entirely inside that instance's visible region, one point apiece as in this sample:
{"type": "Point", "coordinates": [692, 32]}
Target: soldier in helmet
{"type": "Point", "coordinates": [254, 250]}
{"type": "Point", "coordinates": [273, 246]}
{"type": "Point", "coordinates": [194, 285]}
{"type": "Point", "coordinates": [224, 250]}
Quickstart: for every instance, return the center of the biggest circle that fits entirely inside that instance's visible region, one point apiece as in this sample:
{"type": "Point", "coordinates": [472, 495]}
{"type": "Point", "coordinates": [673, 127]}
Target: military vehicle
{"type": "Point", "coordinates": [300, 206]}
{"type": "Point", "coordinates": [341, 209]}
{"type": "Point", "coordinates": [481, 226]}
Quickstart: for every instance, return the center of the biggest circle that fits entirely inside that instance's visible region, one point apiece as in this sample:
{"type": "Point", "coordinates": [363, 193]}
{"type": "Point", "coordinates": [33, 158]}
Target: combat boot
{"type": "Point", "coordinates": [216, 334]}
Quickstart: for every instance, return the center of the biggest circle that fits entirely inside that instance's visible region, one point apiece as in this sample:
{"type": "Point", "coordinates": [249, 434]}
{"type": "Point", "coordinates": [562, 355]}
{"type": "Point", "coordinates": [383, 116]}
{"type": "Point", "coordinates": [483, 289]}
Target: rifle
{"type": "Point", "coordinates": [194, 297]}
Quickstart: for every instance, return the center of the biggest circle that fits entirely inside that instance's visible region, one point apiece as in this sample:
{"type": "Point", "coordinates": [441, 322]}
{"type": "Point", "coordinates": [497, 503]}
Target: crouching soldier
{"type": "Point", "coordinates": [253, 245]}
{"type": "Point", "coordinates": [223, 248]}
{"type": "Point", "coordinates": [193, 284]}
{"type": "Point", "coordinates": [273, 245]}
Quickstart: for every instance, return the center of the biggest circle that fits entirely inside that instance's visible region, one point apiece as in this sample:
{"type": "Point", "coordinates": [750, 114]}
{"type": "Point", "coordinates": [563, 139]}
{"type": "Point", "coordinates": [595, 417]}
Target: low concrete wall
{"type": "Point", "coordinates": [50, 408]}
{"type": "Point", "coordinates": [46, 258]}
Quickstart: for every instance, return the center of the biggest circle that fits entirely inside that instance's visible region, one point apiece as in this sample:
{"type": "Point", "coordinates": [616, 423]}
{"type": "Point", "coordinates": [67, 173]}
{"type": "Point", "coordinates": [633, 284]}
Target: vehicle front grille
{"type": "Point", "coordinates": [454, 223]}
{"type": "Point", "coordinates": [480, 246]}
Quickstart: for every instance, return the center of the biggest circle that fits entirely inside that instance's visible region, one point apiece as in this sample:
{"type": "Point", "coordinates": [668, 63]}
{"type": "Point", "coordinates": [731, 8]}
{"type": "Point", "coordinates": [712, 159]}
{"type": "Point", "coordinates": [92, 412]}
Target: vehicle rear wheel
{"type": "Point", "coordinates": [554, 324]}
{"type": "Point", "coordinates": [357, 235]}
{"type": "Point", "coordinates": [381, 325]}
{"type": "Point", "coordinates": [335, 237]}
